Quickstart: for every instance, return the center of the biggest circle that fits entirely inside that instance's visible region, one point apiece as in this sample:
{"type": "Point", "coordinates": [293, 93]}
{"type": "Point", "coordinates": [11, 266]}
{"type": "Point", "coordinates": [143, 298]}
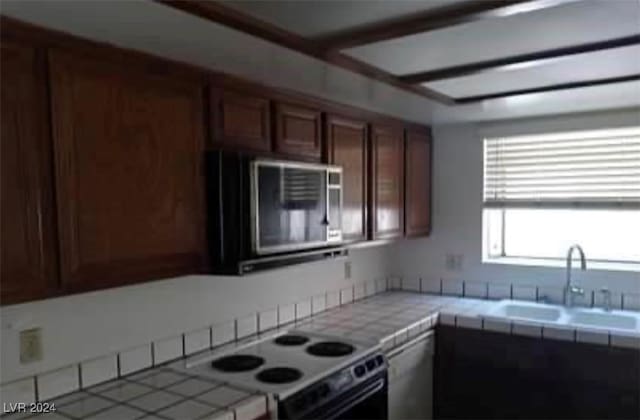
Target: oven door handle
{"type": "Point", "coordinates": [354, 400]}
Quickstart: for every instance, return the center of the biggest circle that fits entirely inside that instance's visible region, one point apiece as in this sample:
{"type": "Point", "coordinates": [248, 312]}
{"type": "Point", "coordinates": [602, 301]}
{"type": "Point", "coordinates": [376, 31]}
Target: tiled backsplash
{"type": "Point", "coordinates": [90, 372]}
{"type": "Point", "coordinates": [518, 291]}
{"type": "Point", "coordinates": [87, 373]}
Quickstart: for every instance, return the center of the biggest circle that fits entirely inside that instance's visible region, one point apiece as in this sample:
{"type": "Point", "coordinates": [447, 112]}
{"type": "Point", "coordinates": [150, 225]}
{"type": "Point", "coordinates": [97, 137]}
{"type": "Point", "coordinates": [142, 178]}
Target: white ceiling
{"type": "Point", "coordinates": [563, 25]}
{"type": "Point", "coordinates": [322, 17]}
{"type": "Point", "coordinates": [570, 101]}
{"type": "Point", "coordinates": [569, 24]}
{"type": "Point", "coordinates": [157, 29]}
{"type": "Point", "coordinates": [615, 62]}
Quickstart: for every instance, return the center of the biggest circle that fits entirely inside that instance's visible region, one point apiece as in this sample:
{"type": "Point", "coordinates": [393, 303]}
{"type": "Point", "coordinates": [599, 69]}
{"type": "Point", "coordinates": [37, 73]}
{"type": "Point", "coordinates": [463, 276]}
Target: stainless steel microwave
{"type": "Point", "coordinates": [294, 206]}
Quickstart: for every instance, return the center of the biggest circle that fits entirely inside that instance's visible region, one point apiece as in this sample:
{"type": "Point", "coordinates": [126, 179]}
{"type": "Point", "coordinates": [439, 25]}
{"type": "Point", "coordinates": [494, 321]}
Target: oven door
{"type": "Point", "coordinates": [367, 401]}
{"type": "Point", "coordinates": [292, 206]}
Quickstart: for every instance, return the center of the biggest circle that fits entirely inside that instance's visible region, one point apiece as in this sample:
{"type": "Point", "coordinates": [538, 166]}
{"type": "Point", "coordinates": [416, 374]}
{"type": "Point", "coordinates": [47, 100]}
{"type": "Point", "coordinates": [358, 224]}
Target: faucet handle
{"type": "Point", "coordinates": [577, 290]}
{"type": "Point", "coordinates": [606, 295]}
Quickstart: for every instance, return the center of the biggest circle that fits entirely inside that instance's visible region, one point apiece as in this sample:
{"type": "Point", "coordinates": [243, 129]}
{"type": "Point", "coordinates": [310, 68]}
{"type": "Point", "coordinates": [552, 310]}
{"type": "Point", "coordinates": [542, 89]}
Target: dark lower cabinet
{"type": "Point", "coordinates": [481, 374]}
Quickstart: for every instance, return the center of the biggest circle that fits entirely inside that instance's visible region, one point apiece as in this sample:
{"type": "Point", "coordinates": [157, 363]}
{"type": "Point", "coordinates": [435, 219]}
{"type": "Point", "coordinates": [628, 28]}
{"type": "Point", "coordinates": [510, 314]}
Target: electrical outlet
{"type": "Point", "coordinates": [450, 262]}
{"type": "Point", "coordinates": [30, 345]}
{"type": "Point", "coordinates": [347, 269]}
{"type": "Point", "coordinates": [454, 262]}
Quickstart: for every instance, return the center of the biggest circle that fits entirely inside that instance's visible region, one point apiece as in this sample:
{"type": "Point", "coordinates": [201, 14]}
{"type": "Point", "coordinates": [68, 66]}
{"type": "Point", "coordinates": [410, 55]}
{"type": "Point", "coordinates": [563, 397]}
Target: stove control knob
{"type": "Point", "coordinates": [371, 364]}
{"type": "Point", "coordinates": [359, 371]}
{"type": "Point", "coordinates": [380, 360]}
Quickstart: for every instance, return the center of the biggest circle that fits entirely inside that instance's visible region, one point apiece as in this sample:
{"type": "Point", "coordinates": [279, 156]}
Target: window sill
{"type": "Point", "coordinates": [541, 262]}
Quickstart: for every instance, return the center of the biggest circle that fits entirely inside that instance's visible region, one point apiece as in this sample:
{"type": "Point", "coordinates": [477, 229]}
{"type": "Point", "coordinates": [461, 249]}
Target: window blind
{"type": "Point", "coordinates": [588, 169]}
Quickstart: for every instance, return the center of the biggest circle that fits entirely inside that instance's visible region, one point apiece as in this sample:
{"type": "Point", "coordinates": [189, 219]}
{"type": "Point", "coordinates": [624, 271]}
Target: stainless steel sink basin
{"type": "Point", "coordinates": [527, 311]}
{"type": "Point", "coordinates": [604, 320]}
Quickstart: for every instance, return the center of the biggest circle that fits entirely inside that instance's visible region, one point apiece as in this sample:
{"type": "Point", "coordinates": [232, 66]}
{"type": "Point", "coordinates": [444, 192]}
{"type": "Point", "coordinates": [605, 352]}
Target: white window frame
{"type": "Point", "coordinates": [489, 231]}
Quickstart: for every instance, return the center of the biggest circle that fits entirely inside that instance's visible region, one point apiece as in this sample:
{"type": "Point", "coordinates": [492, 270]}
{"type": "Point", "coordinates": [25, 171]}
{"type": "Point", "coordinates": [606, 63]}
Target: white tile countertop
{"type": "Point", "coordinates": [390, 318]}
{"type": "Point", "coordinates": [395, 317]}
{"type": "Point", "coordinates": [158, 393]}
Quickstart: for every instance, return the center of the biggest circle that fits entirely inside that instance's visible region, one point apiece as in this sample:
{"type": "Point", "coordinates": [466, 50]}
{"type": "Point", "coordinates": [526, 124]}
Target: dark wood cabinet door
{"type": "Point", "coordinates": [348, 146]}
{"type": "Point", "coordinates": [240, 120]}
{"type": "Point", "coordinates": [418, 184]}
{"type": "Point", "coordinates": [489, 375]}
{"type": "Point", "coordinates": [387, 181]}
{"type": "Point", "coordinates": [128, 150]}
{"type": "Point", "coordinates": [28, 268]}
{"type": "Point", "coordinates": [298, 131]}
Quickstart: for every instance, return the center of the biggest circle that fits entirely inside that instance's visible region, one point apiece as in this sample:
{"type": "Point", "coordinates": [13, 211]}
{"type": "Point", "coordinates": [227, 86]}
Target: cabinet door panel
{"type": "Point", "coordinates": [241, 120]}
{"type": "Point", "coordinates": [348, 146]}
{"type": "Point", "coordinates": [28, 255]}
{"type": "Point", "coordinates": [418, 184]}
{"type": "Point", "coordinates": [298, 131]}
{"type": "Point", "coordinates": [532, 378]}
{"type": "Point", "coordinates": [128, 150]}
{"type": "Point", "coordinates": [388, 182]}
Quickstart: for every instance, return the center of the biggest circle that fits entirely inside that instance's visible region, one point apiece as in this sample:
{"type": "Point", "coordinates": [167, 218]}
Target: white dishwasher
{"type": "Point", "coordinates": [411, 379]}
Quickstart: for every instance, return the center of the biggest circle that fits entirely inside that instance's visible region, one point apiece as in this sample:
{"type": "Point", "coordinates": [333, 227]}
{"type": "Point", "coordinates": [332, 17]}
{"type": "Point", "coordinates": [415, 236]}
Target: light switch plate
{"type": "Point", "coordinates": [30, 345]}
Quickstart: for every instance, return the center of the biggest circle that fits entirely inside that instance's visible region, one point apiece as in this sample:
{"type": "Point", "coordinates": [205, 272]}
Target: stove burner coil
{"type": "Point", "coordinates": [279, 375]}
{"type": "Point", "coordinates": [291, 340]}
{"type": "Point", "coordinates": [237, 363]}
{"type": "Point", "coordinates": [330, 349]}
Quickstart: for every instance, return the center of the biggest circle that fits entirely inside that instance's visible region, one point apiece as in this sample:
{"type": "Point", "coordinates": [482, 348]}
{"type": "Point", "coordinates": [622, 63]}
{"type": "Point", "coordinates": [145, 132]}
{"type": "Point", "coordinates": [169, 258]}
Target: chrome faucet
{"type": "Point", "coordinates": [570, 290]}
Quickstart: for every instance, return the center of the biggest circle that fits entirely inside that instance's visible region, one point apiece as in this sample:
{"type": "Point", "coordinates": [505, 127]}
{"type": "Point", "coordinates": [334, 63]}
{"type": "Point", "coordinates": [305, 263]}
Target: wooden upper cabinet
{"type": "Point", "coordinates": [387, 181]}
{"type": "Point", "coordinates": [128, 149]}
{"type": "Point", "coordinates": [240, 120]}
{"type": "Point", "coordinates": [28, 268]}
{"type": "Point", "coordinates": [298, 131]}
{"type": "Point", "coordinates": [418, 183]}
{"type": "Point", "coordinates": [348, 146]}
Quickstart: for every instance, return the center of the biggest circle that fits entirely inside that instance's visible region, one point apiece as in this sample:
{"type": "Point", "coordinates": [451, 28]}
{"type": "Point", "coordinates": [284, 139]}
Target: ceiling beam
{"type": "Point", "coordinates": [549, 88]}
{"type": "Point", "coordinates": [431, 20]}
{"type": "Point", "coordinates": [518, 61]}
{"type": "Point", "coordinates": [224, 15]}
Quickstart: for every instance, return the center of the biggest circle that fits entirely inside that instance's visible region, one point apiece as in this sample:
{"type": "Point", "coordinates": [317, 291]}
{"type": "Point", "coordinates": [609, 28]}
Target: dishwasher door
{"type": "Point", "coordinates": [411, 379]}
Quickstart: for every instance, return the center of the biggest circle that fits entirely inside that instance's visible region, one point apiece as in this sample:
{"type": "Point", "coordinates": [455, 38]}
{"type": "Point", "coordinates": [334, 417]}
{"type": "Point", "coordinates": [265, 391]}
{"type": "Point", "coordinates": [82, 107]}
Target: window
{"type": "Point", "coordinates": [544, 193]}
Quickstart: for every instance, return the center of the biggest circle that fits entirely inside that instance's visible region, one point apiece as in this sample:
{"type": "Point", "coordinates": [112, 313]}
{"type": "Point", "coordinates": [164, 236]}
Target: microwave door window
{"type": "Point", "coordinates": [292, 207]}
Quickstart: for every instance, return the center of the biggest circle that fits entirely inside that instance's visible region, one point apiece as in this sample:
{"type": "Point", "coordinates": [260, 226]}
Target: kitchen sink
{"type": "Point", "coordinates": [548, 313]}
{"type": "Point", "coordinates": [528, 311]}
{"type": "Point", "coordinates": [604, 320]}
